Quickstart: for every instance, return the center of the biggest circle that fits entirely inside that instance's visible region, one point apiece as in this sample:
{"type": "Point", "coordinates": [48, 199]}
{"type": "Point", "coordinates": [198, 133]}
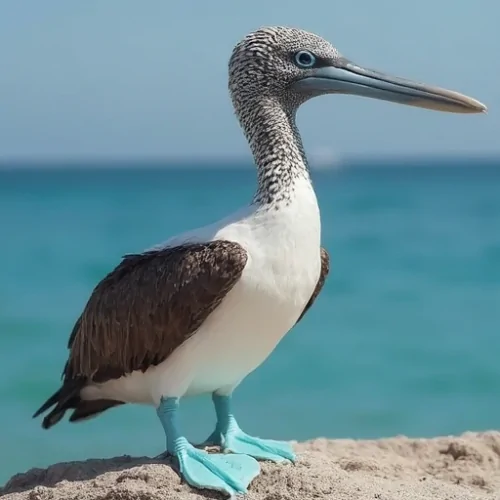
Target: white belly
{"type": "Point", "coordinates": [235, 340]}
{"type": "Point", "coordinates": [282, 271]}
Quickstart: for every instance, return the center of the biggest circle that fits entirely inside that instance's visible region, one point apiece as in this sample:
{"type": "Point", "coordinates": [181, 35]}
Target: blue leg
{"type": "Point", "coordinates": [231, 438]}
{"type": "Point", "coordinates": [227, 473]}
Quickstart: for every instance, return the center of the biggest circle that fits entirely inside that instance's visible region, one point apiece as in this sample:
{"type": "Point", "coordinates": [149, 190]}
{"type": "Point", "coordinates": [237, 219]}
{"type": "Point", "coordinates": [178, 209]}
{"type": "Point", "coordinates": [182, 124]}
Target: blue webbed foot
{"type": "Point", "coordinates": [237, 441]}
{"type": "Point", "coordinates": [231, 438]}
{"type": "Point", "coordinates": [227, 473]}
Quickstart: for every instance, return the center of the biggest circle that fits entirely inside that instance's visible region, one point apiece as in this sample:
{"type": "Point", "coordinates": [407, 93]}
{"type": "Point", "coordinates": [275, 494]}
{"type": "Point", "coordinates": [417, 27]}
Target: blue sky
{"type": "Point", "coordinates": [126, 79]}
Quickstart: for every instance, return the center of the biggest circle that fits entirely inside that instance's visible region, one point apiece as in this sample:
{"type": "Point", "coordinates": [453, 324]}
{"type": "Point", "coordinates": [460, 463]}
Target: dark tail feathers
{"type": "Point", "coordinates": [67, 398]}
{"type": "Point", "coordinates": [89, 409]}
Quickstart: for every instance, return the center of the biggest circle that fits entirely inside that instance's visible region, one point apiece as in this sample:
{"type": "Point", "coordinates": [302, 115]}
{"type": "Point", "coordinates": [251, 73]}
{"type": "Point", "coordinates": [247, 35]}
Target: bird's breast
{"type": "Point", "coordinates": [284, 261]}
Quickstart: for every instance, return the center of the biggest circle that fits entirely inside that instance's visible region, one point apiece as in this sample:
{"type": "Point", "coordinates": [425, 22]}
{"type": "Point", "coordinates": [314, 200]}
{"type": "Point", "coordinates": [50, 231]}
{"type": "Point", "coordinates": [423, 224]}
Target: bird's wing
{"type": "Point", "coordinates": [325, 269]}
{"type": "Point", "coordinates": [148, 306]}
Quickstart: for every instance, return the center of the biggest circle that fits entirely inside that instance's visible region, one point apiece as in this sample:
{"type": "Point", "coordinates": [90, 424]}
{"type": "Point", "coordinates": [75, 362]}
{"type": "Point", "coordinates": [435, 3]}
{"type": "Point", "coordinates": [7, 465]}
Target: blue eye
{"type": "Point", "coordinates": [304, 59]}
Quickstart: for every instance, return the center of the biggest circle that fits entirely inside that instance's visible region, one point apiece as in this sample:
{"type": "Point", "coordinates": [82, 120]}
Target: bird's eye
{"type": "Point", "coordinates": [304, 59]}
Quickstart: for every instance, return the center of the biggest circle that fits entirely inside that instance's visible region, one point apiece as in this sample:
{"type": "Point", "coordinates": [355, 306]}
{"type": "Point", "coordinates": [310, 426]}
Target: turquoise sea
{"type": "Point", "coordinates": [405, 338]}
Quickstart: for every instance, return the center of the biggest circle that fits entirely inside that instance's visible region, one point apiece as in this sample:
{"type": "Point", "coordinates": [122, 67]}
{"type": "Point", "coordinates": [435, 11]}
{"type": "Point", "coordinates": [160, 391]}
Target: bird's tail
{"type": "Point", "coordinates": [68, 398]}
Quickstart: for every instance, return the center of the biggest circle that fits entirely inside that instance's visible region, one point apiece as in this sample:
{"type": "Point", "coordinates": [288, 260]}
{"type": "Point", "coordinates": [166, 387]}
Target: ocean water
{"type": "Point", "coordinates": [404, 339]}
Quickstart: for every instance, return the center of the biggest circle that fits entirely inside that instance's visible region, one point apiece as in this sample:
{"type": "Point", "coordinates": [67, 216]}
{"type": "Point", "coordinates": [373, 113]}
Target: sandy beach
{"type": "Point", "coordinates": [399, 468]}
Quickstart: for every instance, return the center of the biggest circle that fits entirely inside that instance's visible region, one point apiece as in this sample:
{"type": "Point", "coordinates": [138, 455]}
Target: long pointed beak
{"type": "Point", "coordinates": [345, 77]}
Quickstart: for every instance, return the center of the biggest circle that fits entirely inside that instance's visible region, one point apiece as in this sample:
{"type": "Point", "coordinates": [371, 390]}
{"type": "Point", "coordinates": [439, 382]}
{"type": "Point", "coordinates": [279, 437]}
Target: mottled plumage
{"type": "Point", "coordinates": [260, 74]}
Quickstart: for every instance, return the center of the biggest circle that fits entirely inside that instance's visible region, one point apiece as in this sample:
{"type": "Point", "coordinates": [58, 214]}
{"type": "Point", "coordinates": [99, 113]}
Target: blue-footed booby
{"type": "Point", "coordinates": [201, 311]}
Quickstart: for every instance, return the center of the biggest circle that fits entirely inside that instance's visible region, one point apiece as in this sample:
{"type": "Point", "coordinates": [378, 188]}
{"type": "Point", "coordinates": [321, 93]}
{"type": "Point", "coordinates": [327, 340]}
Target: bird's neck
{"type": "Point", "coordinates": [277, 149]}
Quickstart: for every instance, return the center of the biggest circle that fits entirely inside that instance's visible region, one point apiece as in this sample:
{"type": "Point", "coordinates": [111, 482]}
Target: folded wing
{"type": "Point", "coordinates": [140, 313]}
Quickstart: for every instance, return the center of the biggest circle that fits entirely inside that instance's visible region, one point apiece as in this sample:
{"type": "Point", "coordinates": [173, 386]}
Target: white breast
{"type": "Point", "coordinates": [282, 271]}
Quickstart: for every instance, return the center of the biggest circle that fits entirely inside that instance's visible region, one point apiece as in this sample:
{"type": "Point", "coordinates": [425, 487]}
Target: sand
{"type": "Point", "coordinates": [447, 468]}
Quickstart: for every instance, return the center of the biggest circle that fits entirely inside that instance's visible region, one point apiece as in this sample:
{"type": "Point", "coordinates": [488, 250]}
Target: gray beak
{"type": "Point", "coordinates": [344, 77]}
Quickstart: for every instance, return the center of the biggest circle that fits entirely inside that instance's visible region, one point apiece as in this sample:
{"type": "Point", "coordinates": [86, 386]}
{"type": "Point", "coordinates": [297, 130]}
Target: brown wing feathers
{"type": "Point", "coordinates": [325, 269]}
{"type": "Point", "coordinates": [139, 314]}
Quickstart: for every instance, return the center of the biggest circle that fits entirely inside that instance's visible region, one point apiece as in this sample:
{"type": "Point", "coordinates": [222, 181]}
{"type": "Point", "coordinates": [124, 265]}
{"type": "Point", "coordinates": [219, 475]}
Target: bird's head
{"type": "Point", "coordinates": [291, 66]}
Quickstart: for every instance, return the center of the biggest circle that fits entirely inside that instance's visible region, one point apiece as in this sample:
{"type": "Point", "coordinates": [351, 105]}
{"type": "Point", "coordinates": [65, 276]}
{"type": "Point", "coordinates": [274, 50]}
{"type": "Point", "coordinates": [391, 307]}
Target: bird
{"type": "Point", "coordinates": [199, 312]}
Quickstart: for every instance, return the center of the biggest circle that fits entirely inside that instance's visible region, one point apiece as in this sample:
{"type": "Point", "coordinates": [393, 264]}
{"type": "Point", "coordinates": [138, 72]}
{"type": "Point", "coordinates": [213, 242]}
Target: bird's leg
{"type": "Point", "coordinates": [231, 438]}
{"type": "Point", "coordinates": [228, 473]}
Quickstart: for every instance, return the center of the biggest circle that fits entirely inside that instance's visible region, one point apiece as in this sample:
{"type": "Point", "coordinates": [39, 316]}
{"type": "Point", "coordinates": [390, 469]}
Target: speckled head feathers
{"type": "Point", "coordinates": [273, 70]}
{"type": "Point", "coordinates": [262, 64]}
{"type": "Point", "coordinates": [262, 71]}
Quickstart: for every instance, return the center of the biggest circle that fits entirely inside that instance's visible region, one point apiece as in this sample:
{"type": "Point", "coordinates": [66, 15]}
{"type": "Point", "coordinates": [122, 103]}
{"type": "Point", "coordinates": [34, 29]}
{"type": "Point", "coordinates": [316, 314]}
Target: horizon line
{"type": "Point", "coordinates": [236, 162]}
